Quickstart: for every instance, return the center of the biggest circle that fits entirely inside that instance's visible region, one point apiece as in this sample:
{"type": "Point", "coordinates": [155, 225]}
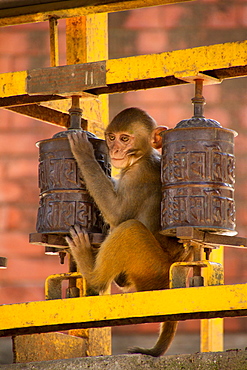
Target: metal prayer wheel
{"type": "Point", "coordinates": [64, 200]}
{"type": "Point", "coordinates": [198, 175]}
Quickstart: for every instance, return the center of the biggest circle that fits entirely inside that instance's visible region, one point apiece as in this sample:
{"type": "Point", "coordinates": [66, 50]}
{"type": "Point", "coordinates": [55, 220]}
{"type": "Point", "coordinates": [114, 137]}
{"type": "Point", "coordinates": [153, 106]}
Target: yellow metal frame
{"type": "Point", "coordinates": [69, 9]}
{"type": "Point", "coordinates": [118, 309]}
{"type": "Point", "coordinates": [180, 64]}
{"type": "Point", "coordinates": [53, 284]}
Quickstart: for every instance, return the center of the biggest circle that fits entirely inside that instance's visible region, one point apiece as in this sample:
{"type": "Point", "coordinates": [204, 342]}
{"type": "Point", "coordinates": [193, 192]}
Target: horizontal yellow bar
{"type": "Point", "coordinates": [183, 303]}
{"type": "Point", "coordinates": [66, 9]}
{"type": "Point", "coordinates": [179, 63]}
{"type": "Point", "coordinates": [13, 83]}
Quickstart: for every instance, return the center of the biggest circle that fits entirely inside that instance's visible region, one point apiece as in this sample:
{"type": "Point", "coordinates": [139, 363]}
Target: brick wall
{"type": "Point", "coordinates": [142, 31]}
{"type": "Point", "coordinates": [22, 47]}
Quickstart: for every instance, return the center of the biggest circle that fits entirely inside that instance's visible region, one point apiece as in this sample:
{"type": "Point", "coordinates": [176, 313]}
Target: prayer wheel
{"type": "Point", "coordinates": [198, 175]}
{"type": "Point", "coordinates": [64, 200]}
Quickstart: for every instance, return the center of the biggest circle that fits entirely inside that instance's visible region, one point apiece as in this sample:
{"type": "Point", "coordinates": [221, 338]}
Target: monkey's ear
{"type": "Point", "coordinates": [156, 140]}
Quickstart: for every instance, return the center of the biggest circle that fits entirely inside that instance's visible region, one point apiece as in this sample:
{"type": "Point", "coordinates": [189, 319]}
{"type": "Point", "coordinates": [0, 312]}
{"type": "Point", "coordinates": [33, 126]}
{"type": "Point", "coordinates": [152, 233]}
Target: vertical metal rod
{"type": "Point", "coordinates": [54, 55]}
{"type": "Point", "coordinates": [198, 99]}
{"type": "Point", "coordinates": [75, 113]}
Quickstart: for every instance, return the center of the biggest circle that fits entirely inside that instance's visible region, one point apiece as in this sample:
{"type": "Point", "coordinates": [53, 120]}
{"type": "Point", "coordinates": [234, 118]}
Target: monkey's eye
{"type": "Point", "coordinates": [111, 137]}
{"type": "Point", "coordinates": [124, 138]}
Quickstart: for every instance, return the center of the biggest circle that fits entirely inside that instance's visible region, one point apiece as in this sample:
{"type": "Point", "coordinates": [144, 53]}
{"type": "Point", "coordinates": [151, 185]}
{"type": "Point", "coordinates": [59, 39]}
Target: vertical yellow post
{"type": "Point", "coordinates": [54, 54]}
{"type": "Point", "coordinates": [87, 41]}
{"type": "Point", "coordinates": [212, 330]}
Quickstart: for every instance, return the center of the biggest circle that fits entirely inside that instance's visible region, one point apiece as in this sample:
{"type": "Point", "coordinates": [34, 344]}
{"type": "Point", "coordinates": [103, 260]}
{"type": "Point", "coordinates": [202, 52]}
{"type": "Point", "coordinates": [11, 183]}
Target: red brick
{"type": "Point", "coordinates": [18, 143]}
{"type": "Point", "coordinates": [151, 42]}
{"type": "Point", "coordinates": [243, 116]}
{"type": "Point", "coordinates": [189, 325]}
{"type": "Point", "coordinates": [172, 16]}
{"type": "Point", "coordinates": [138, 328]}
{"type": "Point", "coordinates": [13, 43]}
{"type": "Point", "coordinates": [222, 18]}
{"type": "Point", "coordinates": [242, 15]}
{"type": "Point", "coordinates": [219, 114]}
{"type": "Point", "coordinates": [18, 294]}
{"type": "Point", "coordinates": [16, 244]}
{"type": "Point", "coordinates": [6, 63]}
{"type": "Point", "coordinates": [10, 119]}
{"type": "Point", "coordinates": [20, 63]}
{"type": "Point", "coordinates": [212, 94]}
{"type": "Point", "coordinates": [9, 191]}
{"type": "Point", "coordinates": [152, 96]}
{"type": "Point", "coordinates": [240, 144]}
{"type": "Point", "coordinates": [143, 18]}
{"type": "Point", "coordinates": [19, 168]}
{"type": "Point", "coordinates": [18, 218]}
{"type": "Point", "coordinates": [9, 217]}
{"type": "Point", "coordinates": [232, 324]}
{"type": "Point", "coordinates": [22, 269]}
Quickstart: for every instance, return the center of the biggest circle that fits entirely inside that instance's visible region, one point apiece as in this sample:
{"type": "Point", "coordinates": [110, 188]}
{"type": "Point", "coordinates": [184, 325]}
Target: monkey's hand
{"type": "Point", "coordinates": [81, 148]}
{"type": "Point", "coordinates": [80, 247]}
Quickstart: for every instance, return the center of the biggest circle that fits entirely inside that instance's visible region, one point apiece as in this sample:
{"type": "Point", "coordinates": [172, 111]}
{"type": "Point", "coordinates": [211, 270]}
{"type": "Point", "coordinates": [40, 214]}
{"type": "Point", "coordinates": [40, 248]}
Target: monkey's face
{"type": "Point", "coordinates": [121, 148]}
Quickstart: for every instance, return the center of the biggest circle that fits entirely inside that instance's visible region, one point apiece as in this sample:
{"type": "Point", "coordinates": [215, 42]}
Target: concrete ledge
{"type": "Point", "coordinates": [229, 360]}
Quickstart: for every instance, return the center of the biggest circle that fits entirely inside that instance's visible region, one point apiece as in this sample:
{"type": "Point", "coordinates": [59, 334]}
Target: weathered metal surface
{"type": "Point", "coordinates": [53, 284]}
{"type": "Point", "coordinates": [47, 346]}
{"type": "Point", "coordinates": [121, 309]}
{"type": "Point", "coordinates": [178, 63]}
{"type": "Point", "coordinates": [210, 240]}
{"type": "Point", "coordinates": [37, 11]}
{"type": "Point", "coordinates": [58, 241]}
{"type": "Point", "coordinates": [54, 52]}
{"type": "Point", "coordinates": [198, 179]}
{"type": "Point", "coordinates": [64, 200]}
{"type": "Point", "coordinates": [14, 101]}
{"type": "Point", "coordinates": [69, 80]}
{"type": "Point", "coordinates": [43, 114]}
{"type": "Point", "coordinates": [214, 274]}
{"type": "Point", "coordinates": [143, 71]}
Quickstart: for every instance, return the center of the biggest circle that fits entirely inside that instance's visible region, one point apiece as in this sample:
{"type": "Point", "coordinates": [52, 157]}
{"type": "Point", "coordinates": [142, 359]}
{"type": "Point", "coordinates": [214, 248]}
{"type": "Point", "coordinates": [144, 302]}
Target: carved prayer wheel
{"type": "Point", "coordinates": [64, 200]}
{"type": "Point", "coordinates": [198, 175]}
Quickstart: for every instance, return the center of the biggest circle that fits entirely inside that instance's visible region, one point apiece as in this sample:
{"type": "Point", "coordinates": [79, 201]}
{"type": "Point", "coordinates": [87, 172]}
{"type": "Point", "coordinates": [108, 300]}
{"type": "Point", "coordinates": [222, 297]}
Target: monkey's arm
{"type": "Point", "coordinates": [98, 184]}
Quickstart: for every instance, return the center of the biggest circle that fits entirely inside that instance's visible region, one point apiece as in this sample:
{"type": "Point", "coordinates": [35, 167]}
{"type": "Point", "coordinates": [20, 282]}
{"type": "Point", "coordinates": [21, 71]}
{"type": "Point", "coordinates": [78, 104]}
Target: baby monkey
{"type": "Point", "coordinates": [134, 254]}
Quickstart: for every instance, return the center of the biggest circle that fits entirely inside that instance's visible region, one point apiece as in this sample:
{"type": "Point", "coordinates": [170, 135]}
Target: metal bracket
{"type": "Point", "coordinates": [214, 273]}
{"type": "Point", "coordinates": [66, 80]}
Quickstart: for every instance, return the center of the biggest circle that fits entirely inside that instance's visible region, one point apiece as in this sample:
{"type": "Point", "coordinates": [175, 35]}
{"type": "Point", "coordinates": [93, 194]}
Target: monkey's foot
{"type": "Point", "coordinates": [80, 247]}
{"type": "Point", "coordinates": [78, 239]}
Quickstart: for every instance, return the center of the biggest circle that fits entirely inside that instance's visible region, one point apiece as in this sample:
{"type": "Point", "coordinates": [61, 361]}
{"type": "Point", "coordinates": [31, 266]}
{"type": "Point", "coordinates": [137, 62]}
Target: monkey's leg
{"type": "Point", "coordinates": [81, 250]}
{"type": "Point", "coordinates": [133, 250]}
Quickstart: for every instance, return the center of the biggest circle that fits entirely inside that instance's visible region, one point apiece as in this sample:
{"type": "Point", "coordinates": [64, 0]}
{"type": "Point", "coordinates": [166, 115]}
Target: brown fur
{"type": "Point", "coordinates": [134, 253]}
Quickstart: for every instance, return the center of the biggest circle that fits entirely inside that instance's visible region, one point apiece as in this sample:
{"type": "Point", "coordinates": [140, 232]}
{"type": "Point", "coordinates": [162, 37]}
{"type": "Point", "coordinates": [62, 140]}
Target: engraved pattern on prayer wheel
{"type": "Point", "coordinates": [198, 176]}
{"type": "Point", "coordinates": [64, 200]}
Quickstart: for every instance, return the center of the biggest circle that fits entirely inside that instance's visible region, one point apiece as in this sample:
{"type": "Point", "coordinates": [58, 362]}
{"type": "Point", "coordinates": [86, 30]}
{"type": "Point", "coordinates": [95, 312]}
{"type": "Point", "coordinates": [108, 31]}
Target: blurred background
{"type": "Point", "coordinates": [134, 32]}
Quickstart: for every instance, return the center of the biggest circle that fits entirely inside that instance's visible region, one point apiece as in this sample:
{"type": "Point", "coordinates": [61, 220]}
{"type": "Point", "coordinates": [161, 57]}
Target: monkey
{"type": "Point", "coordinates": [134, 254]}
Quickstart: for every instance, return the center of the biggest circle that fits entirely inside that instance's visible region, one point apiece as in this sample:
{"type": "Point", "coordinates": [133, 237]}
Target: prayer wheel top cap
{"type": "Point", "coordinates": [64, 134]}
{"type": "Point", "coordinates": [90, 135]}
{"type": "Point", "coordinates": [201, 122]}
{"type": "Point", "coordinates": [198, 122]}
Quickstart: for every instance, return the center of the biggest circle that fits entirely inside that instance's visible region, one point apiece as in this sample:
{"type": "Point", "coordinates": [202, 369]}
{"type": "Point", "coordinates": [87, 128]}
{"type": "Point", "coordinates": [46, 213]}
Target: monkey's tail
{"type": "Point", "coordinates": [167, 333]}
